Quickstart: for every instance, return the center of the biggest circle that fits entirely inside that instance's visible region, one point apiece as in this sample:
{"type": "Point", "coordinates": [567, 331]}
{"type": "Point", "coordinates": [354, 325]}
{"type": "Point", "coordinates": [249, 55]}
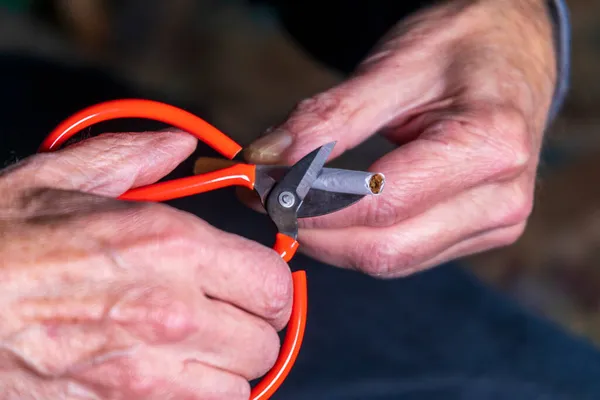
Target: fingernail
{"type": "Point", "coordinates": [269, 149]}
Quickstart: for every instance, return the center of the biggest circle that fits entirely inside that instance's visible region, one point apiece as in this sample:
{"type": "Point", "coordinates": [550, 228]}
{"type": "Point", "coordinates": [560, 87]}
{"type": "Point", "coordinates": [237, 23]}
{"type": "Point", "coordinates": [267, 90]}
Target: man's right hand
{"type": "Point", "coordinates": [106, 299]}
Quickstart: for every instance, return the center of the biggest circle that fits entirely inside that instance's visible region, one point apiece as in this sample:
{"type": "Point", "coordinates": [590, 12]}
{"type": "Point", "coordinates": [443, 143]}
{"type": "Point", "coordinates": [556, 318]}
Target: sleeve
{"type": "Point", "coordinates": [562, 41]}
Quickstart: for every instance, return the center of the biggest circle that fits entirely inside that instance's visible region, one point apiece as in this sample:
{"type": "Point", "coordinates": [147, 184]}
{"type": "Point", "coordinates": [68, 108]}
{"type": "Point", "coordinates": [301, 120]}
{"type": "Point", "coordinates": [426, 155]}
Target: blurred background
{"type": "Point", "coordinates": [234, 64]}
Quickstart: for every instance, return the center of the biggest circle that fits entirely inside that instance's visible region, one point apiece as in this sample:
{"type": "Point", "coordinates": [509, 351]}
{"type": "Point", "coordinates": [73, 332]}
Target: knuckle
{"type": "Point", "coordinates": [154, 314]}
{"type": "Point", "coordinates": [318, 114]}
{"type": "Point", "coordinates": [266, 272]}
{"type": "Point", "coordinates": [278, 290]}
{"type": "Point", "coordinates": [517, 206]}
{"type": "Point", "coordinates": [509, 145]}
{"type": "Point", "coordinates": [119, 372]}
{"type": "Point", "coordinates": [268, 350]}
{"type": "Point", "coordinates": [384, 210]}
{"type": "Point", "coordinates": [378, 258]}
{"type": "Point", "coordinates": [126, 374]}
{"type": "Point", "coordinates": [512, 235]}
{"type": "Point", "coordinates": [139, 382]}
{"type": "Point", "coordinates": [521, 206]}
{"type": "Point", "coordinates": [323, 105]}
{"type": "Point", "coordinates": [238, 389]}
{"type": "Point", "coordinates": [177, 229]}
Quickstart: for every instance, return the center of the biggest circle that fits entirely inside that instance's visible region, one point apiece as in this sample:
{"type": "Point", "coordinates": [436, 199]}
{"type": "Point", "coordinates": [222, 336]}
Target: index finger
{"type": "Point", "coordinates": [108, 164]}
{"type": "Point", "coordinates": [455, 153]}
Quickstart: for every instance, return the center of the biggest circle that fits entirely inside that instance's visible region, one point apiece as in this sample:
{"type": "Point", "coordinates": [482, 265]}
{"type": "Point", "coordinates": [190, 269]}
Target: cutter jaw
{"type": "Point", "coordinates": [285, 219]}
{"type": "Point", "coordinates": [321, 202]}
{"type": "Point", "coordinates": [287, 196]}
{"type": "Point", "coordinates": [303, 200]}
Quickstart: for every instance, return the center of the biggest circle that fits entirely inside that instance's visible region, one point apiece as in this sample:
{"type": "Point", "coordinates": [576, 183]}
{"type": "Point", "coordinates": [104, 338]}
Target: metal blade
{"type": "Point", "coordinates": [286, 198]}
{"type": "Point", "coordinates": [305, 172]}
{"type": "Point", "coordinates": [263, 184]}
{"type": "Point", "coordinates": [321, 202]}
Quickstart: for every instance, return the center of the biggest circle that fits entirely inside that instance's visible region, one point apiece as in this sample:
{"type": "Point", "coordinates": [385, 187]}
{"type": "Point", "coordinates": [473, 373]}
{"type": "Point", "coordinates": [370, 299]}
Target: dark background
{"type": "Point", "coordinates": [234, 66]}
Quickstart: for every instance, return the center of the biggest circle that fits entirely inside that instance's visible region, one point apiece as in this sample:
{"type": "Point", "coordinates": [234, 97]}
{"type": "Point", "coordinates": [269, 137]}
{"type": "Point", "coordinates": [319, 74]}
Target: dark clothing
{"type": "Point", "coordinates": [439, 334]}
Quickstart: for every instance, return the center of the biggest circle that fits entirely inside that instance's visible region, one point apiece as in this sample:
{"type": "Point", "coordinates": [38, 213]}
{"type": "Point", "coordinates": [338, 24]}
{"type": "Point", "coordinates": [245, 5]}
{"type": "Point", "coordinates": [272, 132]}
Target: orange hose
{"type": "Point", "coordinates": [147, 109]}
{"type": "Point", "coordinates": [238, 175]}
{"type": "Point", "coordinates": [291, 343]}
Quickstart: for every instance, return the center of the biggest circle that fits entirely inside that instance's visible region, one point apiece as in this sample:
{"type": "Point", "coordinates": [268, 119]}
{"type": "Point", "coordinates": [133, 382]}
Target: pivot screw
{"type": "Point", "coordinates": [287, 199]}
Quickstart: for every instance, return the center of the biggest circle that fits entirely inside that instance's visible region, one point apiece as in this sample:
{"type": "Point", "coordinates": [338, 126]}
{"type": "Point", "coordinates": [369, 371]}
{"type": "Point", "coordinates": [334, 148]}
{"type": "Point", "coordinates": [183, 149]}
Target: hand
{"type": "Point", "coordinates": [464, 90]}
{"type": "Point", "coordinates": [106, 299]}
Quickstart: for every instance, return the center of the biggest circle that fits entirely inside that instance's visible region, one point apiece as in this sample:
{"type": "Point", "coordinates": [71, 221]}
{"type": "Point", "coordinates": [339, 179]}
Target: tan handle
{"type": "Point", "coordinates": [204, 165]}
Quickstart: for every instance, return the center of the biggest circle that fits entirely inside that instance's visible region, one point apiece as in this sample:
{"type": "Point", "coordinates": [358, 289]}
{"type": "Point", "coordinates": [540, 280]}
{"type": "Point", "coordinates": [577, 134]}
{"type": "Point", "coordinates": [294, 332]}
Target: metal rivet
{"type": "Point", "coordinates": [287, 199]}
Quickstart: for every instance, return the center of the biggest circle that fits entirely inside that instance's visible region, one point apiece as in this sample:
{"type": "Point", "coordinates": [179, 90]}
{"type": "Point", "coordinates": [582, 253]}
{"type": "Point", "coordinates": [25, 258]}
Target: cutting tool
{"type": "Point", "coordinates": [306, 189]}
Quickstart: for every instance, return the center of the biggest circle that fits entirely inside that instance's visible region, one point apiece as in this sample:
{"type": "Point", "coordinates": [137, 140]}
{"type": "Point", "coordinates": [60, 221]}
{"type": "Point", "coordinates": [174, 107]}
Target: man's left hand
{"type": "Point", "coordinates": [464, 90]}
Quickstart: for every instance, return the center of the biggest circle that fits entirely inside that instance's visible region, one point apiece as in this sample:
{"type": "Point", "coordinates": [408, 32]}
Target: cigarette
{"type": "Point", "coordinates": [349, 182]}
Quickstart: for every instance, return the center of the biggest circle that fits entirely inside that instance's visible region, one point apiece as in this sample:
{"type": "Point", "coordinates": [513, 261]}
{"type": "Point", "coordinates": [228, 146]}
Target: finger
{"type": "Point", "coordinates": [456, 153]}
{"type": "Point", "coordinates": [110, 164]}
{"type": "Point", "coordinates": [381, 92]}
{"type": "Point", "coordinates": [231, 268]}
{"type": "Point", "coordinates": [179, 320]}
{"type": "Point", "coordinates": [157, 240]}
{"type": "Point", "coordinates": [401, 248]}
{"type": "Point", "coordinates": [493, 239]}
{"type": "Point", "coordinates": [175, 321]}
{"type": "Point", "coordinates": [405, 72]}
{"type": "Point", "coordinates": [199, 381]}
{"type": "Point", "coordinates": [237, 341]}
{"type": "Point", "coordinates": [152, 373]}
{"type": "Point", "coordinates": [250, 276]}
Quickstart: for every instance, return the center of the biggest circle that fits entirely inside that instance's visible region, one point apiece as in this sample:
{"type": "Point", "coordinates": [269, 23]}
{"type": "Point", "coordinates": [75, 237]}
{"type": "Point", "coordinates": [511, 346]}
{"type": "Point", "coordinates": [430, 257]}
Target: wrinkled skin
{"type": "Point", "coordinates": [464, 90]}
{"type": "Point", "coordinates": [106, 299]}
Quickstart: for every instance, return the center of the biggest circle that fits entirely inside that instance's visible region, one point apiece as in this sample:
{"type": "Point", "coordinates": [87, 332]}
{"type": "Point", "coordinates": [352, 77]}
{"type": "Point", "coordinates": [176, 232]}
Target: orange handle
{"type": "Point", "coordinates": [285, 246]}
{"type": "Point", "coordinates": [146, 109]}
{"type": "Point", "coordinates": [238, 175]}
{"type": "Point", "coordinates": [291, 343]}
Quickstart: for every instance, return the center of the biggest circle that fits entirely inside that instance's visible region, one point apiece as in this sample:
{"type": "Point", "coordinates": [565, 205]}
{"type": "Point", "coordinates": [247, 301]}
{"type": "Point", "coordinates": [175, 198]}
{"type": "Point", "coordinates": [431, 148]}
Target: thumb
{"type": "Point", "coordinates": [111, 164]}
{"type": "Point", "coordinates": [348, 113]}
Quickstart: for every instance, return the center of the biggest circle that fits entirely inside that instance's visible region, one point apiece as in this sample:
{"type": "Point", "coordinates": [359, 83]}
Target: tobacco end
{"type": "Point", "coordinates": [376, 183]}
